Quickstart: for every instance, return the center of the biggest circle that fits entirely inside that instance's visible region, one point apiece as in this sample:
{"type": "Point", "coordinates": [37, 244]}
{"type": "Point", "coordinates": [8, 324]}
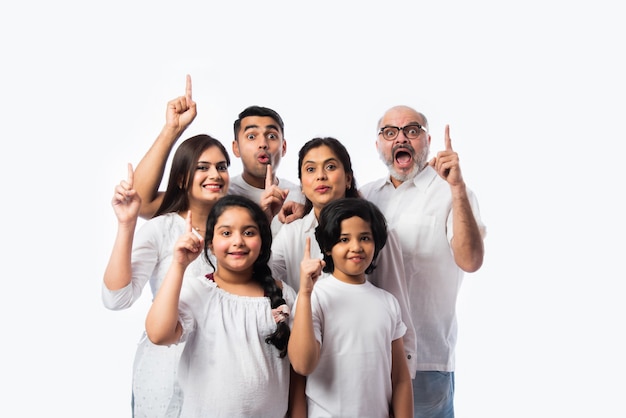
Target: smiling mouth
{"type": "Point", "coordinates": [238, 254]}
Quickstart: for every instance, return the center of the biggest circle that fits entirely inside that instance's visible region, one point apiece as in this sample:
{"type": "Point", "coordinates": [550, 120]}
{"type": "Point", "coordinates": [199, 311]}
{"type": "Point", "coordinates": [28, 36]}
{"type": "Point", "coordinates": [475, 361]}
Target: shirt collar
{"type": "Point", "coordinates": [309, 221]}
{"type": "Point", "coordinates": [423, 179]}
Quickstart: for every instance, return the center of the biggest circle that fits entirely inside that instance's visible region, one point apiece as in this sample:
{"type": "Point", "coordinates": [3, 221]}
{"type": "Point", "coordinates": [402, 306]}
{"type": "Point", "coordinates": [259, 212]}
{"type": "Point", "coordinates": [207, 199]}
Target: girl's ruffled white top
{"type": "Point", "coordinates": [227, 369]}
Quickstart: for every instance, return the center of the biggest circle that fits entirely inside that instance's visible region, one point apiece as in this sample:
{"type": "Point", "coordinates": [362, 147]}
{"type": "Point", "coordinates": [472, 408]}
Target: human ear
{"type": "Point", "coordinates": [236, 148]}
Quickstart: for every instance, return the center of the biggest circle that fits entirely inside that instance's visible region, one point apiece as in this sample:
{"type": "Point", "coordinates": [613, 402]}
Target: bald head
{"type": "Point", "coordinates": [403, 111]}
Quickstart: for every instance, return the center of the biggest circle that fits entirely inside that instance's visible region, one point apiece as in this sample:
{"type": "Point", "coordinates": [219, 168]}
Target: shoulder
{"type": "Point", "coordinates": [368, 188]}
{"type": "Point", "coordinates": [295, 191]}
{"type": "Point", "coordinates": [283, 183]}
{"type": "Point", "coordinates": [236, 184]}
{"type": "Point", "coordinates": [166, 222]}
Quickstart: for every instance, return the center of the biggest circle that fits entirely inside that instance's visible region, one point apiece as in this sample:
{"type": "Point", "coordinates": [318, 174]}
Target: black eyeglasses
{"type": "Point", "coordinates": [411, 131]}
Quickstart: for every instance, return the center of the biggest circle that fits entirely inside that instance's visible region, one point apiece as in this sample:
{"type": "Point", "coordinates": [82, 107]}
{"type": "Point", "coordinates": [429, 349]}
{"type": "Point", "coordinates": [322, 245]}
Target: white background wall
{"type": "Point", "coordinates": [534, 93]}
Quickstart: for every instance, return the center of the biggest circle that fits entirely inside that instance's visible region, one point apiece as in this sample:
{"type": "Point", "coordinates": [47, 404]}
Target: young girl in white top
{"type": "Point", "coordinates": [347, 333]}
{"type": "Point", "coordinates": [234, 321]}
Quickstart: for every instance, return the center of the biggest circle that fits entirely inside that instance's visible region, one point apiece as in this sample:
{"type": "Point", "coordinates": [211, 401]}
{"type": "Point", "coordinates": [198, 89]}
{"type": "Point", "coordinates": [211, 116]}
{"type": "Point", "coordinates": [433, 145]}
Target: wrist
{"type": "Point", "coordinates": [171, 132]}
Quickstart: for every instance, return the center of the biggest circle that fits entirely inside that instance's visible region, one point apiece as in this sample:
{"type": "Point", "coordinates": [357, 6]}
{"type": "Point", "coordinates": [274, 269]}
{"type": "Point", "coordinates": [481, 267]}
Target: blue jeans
{"type": "Point", "coordinates": [433, 395]}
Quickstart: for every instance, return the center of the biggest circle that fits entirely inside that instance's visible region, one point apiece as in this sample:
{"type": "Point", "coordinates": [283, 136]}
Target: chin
{"type": "Point", "coordinates": [404, 175]}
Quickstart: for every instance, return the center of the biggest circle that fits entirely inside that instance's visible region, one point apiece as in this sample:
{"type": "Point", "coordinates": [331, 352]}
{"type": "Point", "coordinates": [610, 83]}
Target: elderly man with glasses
{"type": "Point", "coordinates": [437, 220]}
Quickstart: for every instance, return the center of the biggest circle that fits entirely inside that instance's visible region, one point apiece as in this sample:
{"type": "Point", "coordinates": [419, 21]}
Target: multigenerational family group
{"type": "Point", "coordinates": [273, 299]}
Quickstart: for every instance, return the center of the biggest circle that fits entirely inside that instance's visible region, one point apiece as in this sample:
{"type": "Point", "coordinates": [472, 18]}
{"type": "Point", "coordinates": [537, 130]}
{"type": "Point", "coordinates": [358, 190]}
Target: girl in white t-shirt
{"type": "Point", "coordinates": [347, 333]}
{"type": "Point", "coordinates": [234, 320]}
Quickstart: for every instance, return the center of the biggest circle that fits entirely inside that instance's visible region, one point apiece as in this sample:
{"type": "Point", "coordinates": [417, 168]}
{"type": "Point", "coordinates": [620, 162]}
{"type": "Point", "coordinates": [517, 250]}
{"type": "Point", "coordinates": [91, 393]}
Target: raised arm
{"type": "Point", "coordinates": [162, 326]}
{"type": "Point", "coordinates": [125, 202]}
{"type": "Point", "coordinates": [467, 242]}
{"type": "Point", "coordinates": [149, 172]}
{"type": "Point", "coordinates": [303, 348]}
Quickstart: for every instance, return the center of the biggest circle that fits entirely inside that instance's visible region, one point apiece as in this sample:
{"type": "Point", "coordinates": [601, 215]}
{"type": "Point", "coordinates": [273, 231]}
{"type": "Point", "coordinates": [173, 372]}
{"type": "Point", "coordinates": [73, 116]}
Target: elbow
{"type": "Point", "coordinates": [472, 268]}
{"type": "Point", "coordinates": [471, 264]}
{"type": "Point", "coordinates": [302, 363]}
{"type": "Point", "coordinates": [301, 368]}
{"type": "Point", "coordinates": [159, 335]}
{"type": "Point", "coordinates": [469, 256]}
{"type": "Point", "coordinates": [159, 339]}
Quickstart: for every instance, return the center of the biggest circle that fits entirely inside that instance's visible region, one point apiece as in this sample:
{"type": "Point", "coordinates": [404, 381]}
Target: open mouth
{"type": "Point", "coordinates": [403, 158]}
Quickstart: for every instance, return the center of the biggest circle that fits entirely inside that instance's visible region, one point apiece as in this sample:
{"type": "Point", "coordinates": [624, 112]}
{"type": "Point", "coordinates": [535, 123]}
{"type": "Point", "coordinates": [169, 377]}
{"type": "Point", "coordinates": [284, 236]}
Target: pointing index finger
{"type": "Point", "coordinates": [307, 248]}
{"type": "Point", "coordinates": [268, 177]}
{"type": "Point", "coordinates": [448, 141]}
{"type": "Point", "coordinates": [131, 175]}
{"type": "Point", "coordinates": [188, 226]}
{"type": "Point", "coordinates": [188, 87]}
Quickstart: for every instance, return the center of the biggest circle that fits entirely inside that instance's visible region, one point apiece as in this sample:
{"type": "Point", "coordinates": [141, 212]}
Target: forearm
{"type": "Point", "coordinates": [297, 395]}
{"type": "Point", "coordinates": [118, 272]}
{"type": "Point", "coordinates": [149, 172]}
{"type": "Point", "coordinates": [402, 392]}
{"type": "Point", "coordinates": [303, 348]}
{"type": "Point", "coordinates": [467, 241]}
{"type": "Point", "coordinates": [162, 326]}
{"type": "Point", "coordinates": [402, 399]}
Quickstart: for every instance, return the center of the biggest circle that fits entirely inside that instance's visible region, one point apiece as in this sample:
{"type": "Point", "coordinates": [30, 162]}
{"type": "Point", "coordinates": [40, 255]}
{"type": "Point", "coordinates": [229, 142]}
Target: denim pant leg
{"type": "Point", "coordinates": [433, 395]}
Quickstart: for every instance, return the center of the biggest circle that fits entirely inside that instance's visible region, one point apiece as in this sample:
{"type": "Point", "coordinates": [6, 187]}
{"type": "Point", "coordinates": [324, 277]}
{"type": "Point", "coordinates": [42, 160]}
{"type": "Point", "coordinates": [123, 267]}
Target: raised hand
{"type": "Point", "coordinates": [189, 245]}
{"type": "Point", "coordinates": [273, 197]}
{"type": "Point", "coordinates": [181, 111]}
{"type": "Point", "coordinates": [126, 201]}
{"type": "Point", "coordinates": [310, 268]}
{"type": "Point", "coordinates": [446, 163]}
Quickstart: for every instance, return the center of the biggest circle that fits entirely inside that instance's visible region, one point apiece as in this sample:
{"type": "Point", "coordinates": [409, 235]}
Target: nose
{"type": "Point", "coordinates": [401, 138]}
{"type": "Point", "coordinates": [238, 239]}
{"type": "Point", "coordinates": [321, 174]}
{"type": "Point", "coordinates": [213, 172]}
{"type": "Point", "coordinates": [355, 246]}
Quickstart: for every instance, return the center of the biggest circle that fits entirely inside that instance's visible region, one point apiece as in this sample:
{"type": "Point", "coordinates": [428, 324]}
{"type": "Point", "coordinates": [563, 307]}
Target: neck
{"type": "Point", "coordinates": [198, 221]}
{"type": "Point", "coordinates": [238, 283]}
{"type": "Point", "coordinates": [350, 279]}
{"type": "Point", "coordinates": [253, 181]}
{"type": "Point", "coordinates": [257, 182]}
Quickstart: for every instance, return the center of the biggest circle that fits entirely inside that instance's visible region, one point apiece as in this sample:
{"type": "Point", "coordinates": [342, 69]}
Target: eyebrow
{"type": "Point", "coordinates": [333, 159]}
{"type": "Point", "coordinates": [363, 233]}
{"type": "Point", "coordinates": [267, 127]}
{"type": "Point", "coordinates": [224, 226]}
{"type": "Point", "coordinates": [209, 162]}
